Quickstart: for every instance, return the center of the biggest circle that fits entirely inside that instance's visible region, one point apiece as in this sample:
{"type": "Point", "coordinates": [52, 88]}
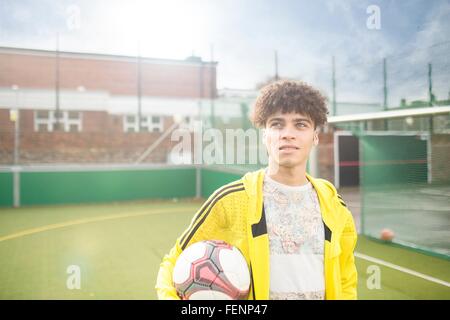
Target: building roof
{"type": "Point", "coordinates": [391, 114]}
{"type": "Point", "coordinates": [100, 56]}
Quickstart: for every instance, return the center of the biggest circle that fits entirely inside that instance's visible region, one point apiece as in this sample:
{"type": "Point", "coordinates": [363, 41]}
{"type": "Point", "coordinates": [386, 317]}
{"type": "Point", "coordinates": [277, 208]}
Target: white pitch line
{"type": "Point", "coordinates": [398, 268]}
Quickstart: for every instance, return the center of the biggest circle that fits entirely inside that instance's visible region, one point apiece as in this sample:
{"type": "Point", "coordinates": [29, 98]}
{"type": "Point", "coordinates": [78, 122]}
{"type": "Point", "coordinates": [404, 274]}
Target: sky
{"type": "Point", "coordinates": [242, 36]}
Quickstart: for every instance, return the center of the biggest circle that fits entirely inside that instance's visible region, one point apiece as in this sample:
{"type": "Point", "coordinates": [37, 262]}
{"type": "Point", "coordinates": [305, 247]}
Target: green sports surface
{"type": "Point", "coordinates": [118, 248]}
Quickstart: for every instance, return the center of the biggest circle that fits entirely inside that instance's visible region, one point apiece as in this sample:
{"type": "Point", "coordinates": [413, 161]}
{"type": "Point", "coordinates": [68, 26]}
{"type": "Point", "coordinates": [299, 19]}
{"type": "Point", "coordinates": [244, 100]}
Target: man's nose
{"type": "Point", "coordinates": [287, 133]}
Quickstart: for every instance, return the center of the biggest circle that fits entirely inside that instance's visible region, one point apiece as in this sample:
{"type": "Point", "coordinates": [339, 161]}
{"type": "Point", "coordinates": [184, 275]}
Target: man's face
{"type": "Point", "coordinates": [289, 138]}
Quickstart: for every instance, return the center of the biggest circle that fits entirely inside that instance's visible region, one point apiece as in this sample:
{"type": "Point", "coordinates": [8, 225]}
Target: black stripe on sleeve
{"type": "Point", "coordinates": [191, 234]}
{"type": "Point", "coordinates": [206, 205]}
{"type": "Point", "coordinates": [252, 282]}
{"type": "Point", "coordinates": [341, 200]}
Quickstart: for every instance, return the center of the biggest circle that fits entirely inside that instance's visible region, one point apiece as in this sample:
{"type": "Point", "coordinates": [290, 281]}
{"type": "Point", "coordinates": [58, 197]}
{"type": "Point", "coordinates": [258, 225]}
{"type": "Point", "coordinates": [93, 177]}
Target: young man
{"type": "Point", "coordinates": [294, 230]}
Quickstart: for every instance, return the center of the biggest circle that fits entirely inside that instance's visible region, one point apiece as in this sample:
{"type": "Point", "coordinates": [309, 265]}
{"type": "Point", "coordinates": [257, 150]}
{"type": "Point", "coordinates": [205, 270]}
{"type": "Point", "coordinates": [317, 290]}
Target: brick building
{"type": "Point", "coordinates": [85, 108]}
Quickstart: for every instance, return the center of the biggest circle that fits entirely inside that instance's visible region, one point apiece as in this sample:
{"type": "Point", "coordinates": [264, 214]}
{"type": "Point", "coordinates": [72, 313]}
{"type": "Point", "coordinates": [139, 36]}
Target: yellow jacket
{"type": "Point", "coordinates": [234, 213]}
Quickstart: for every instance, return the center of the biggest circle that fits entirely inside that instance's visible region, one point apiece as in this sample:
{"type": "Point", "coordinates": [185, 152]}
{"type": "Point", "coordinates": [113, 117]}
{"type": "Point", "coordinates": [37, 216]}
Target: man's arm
{"type": "Point", "coordinates": [205, 224]}
{"type": "Point", "coordinates": [349, 275]}
{"type": "Point", "coordinates": [164, 284]}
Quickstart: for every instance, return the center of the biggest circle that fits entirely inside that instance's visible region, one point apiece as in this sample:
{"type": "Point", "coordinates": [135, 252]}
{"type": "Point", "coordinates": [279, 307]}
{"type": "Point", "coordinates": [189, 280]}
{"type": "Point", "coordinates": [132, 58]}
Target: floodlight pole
{"type": "Point", "coordinates": [212, 86]}
{"type": "Point", "coordinates": [200, 88]}
{"type": "Point", "coordinates": [57, 103]}
{"type": "Point", "coordinates": [139, 88]}
{"type": "Point", "coordinates": [276, 66]}
{"type": "Point", "coordinates": [430, 85]}
{"type": "Point", "coordinates": [16, 128]}
{"type": "Point", "coordinates": [430, 94]}
{"type": "Point", "coordinates": [385, 92]}
{"type": "Point", "coordinates": [333, 83]}
{"type": "Point", "coordinates": [16, 170]}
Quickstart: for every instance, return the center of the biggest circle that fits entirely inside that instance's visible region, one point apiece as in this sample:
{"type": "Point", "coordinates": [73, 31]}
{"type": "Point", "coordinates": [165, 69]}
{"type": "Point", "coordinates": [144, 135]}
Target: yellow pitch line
{"type": "Point", "coordinates": [83, 221]}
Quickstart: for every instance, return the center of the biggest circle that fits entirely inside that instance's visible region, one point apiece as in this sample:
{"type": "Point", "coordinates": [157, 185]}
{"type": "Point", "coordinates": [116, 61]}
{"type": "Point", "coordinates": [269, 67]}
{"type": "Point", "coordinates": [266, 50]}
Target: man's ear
{"type": "Point", "coordinates": [316, 138]}
{"type": "Point", "coordinates": [264, 136]}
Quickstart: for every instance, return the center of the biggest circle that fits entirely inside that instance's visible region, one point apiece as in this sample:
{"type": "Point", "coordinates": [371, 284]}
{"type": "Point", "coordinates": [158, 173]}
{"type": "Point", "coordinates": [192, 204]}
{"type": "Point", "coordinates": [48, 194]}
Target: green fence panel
{"type": "Point", "coordinates": [393, 160]}
{"type": "Point", "coordinates": [212, 179]}
{"type": "Point", "coordinates": [104, 186]}
{"type": "Point", "coordinates": [6, 189]}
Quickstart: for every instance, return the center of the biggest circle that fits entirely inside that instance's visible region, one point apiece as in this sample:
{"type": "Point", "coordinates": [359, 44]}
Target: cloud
{"type": "Point", "coordinates": [359, 53]}
{"type": "Point", "coordinates": [246, 34]}
{"type": "Point", "coordinates": [430, 45]}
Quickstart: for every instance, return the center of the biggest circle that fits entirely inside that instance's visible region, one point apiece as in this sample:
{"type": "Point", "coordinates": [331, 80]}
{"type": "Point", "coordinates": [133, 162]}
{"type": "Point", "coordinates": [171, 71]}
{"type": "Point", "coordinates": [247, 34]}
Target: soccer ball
{"type": "Point", "coordinates": [211, 270]}
{"type": "Point", "coordinates": [387, 235]}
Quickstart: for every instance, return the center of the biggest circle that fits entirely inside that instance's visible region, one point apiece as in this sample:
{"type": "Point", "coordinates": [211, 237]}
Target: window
{"type": "Point", "coordinates": [130, 124]}
{"type": "Point", "coordinates": [73, 128]}
{"type": "Point", "coordinates": [156, 119]}
{"type": "Point", "coordinates": [74, 115]}
{"type": "Point", "coordinates": [45, 121]}
{"type": "Point", "coordinates": [42, 128]}
{"type": "Point", "coordinates": [155, 125]}
{"type": "Point", "coordinates": [148, 124]}
{"type": "Point", "coordinates": [42, 114]}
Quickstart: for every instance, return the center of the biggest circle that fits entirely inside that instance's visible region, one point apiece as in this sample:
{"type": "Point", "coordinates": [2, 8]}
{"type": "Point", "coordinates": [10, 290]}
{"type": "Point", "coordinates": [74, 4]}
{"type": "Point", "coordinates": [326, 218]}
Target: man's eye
{"type": "Point", "coordinates": [275, 125]}
{"type": "Point", "coordinates": [301, 125]}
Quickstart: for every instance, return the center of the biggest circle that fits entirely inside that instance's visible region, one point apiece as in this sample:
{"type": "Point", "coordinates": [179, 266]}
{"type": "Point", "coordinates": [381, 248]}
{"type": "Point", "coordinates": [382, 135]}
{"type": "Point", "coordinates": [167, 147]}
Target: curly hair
{"type": "Point", "coordinates": [289, 96]}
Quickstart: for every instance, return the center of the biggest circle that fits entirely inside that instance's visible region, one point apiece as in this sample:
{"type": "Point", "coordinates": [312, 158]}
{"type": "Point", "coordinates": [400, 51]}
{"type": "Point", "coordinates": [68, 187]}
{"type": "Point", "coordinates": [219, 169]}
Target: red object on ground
{"type": "Point", "coordinates": [387, 235]}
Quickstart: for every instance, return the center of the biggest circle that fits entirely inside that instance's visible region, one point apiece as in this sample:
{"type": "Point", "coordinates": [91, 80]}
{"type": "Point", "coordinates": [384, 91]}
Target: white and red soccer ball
{"type": "Point", "coordinates": [211, 270]}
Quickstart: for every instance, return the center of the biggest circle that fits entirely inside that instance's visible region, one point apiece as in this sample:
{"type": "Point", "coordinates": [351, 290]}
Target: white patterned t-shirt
{"type": "Point", "coordinates": [296, 240]}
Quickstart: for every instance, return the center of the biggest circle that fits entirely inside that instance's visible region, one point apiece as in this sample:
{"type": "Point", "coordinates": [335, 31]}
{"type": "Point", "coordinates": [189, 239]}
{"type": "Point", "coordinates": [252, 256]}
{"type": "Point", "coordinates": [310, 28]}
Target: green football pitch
{"type": "Point", "coordinates": [117, 249]}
